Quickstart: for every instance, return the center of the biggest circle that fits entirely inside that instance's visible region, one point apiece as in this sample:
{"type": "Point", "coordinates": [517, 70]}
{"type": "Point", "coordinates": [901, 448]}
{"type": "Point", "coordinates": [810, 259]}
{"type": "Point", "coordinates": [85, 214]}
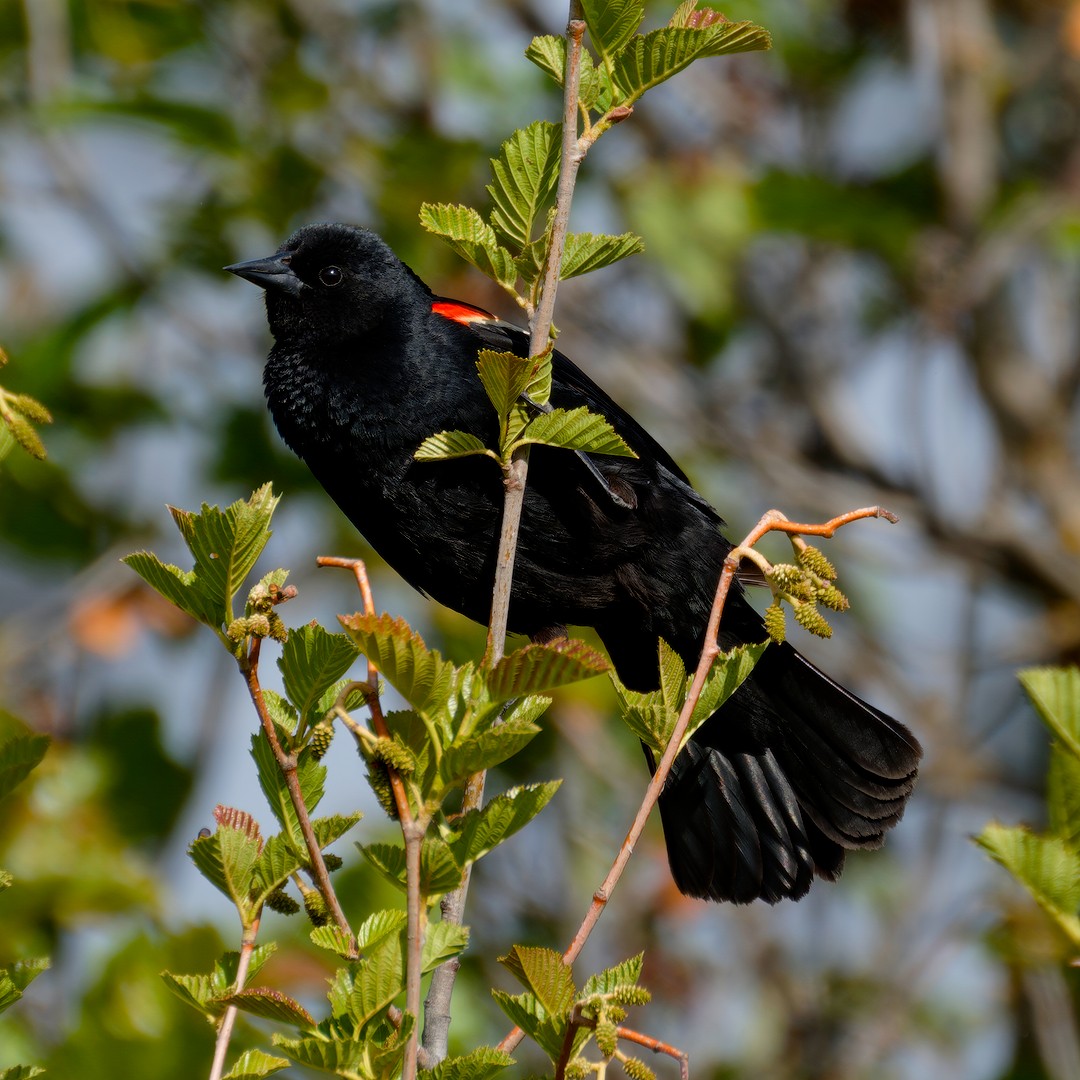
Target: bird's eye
{"type": "Point", "coordinates": [331, 275]}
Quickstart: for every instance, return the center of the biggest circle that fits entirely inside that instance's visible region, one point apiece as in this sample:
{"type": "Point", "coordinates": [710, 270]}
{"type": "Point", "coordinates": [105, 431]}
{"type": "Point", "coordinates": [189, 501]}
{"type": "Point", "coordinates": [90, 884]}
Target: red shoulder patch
{"type": "Point", "coordinates": [462, 313]}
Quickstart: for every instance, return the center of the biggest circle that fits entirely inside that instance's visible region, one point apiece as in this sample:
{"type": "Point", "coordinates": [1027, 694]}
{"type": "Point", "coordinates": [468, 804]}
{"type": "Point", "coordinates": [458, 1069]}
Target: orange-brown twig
{"type": "Point", "coordinates": [413, 827]}
{"type": "Point", "coordinates": [772, 520]}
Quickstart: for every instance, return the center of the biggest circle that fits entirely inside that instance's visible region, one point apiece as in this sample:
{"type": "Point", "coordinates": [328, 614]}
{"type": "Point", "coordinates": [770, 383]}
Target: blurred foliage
{"type": "Point", "coordinates": [865, 242]}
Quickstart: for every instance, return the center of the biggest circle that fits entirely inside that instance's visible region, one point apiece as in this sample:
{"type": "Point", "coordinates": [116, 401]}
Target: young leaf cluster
{"type": "Point", "coordinates": [518, 389]}
{"type": "Point", "coordinates": [447, 734]}
{"type": "Point", "coordinates": [1048, 864]}
{"type": "Point", "coordinates": [561, 1018]}
{"type": "Point", "coordinates": [225, 545]}
{"type": "Point", "coordinates": [652, 716]}
{"type": "Point", "coordinates": [18, 415]}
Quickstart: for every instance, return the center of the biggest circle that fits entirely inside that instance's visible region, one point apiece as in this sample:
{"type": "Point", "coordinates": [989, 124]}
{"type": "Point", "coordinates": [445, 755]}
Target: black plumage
{"type": "Point", "coordinates": [793, 771]}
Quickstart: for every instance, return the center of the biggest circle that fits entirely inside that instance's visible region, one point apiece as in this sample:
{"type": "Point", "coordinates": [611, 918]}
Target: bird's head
{"type": "Point", "coordinates": [331, 282]}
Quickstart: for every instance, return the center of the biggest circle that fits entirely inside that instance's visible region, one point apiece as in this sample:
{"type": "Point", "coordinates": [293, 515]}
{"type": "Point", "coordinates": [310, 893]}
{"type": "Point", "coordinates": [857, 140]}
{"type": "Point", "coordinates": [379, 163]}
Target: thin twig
{"type": "Point", "coordinates": [772, 520]}
{"type": "Point", "coordinates": [228, 1019]}
{"type": "Point", "coordinates": [287, 764]}
{"type": "Point", "coordinates": [657, 1047]}
{"type": "Point", "coordinates": [413, 827]}
{"type": "Point", "coordinates": [437, 1005]}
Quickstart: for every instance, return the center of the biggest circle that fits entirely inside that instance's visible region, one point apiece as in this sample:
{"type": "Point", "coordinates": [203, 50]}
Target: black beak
{"type": "Point", "coordinates": [274, 273]}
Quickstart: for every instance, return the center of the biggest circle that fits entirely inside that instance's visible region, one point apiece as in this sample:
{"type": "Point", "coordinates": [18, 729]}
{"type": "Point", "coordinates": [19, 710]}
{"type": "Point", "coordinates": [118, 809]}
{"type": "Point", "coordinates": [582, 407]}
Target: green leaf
{"type": "Point", "coordinates": [576, 429]}
{"type": "Point", "coordinates": [312, 660]}
{"type": "Point", "coordinates": [253, 1064]}
{"type": "Point", "coordinates": [1063, 795]}
{"type": "Point", "coordinates": [547, 1031]}
{"type": "Point", "coordinates": [536, 668]}
{"type": "Point", "coordinates": [612, 23]}
{"type": "Point", "coordinates": [420, 675]}
{"type": "Point", "coordinates": [726, 676]}
{"type": "Point", "coordinates": [226, 545]}
{"type": "Point", "coordinates": [196, 991]}
{"type": "Point", "coordinates": [442, 940]}
{"type": "Point", "coordinates": [523, 180]}
{"type": "Point", "coordinates": [487, 749]}
{"type": "Point", "coordinates": [14, 980]}
{"type": "Point", "coordinates": [277, 862]}
{"type": "Point", "coordinates": [1056, 694]}
{"type": "Point", "coordinates": [310, 775]}
{"type": "Point", "coordinates": [378, 977]}
{"type": "Point", "coordinates": [332, 938]}
{"type": "Point", "coordinates": [284, 716]}
{"type": "Point", "coordinates": [472, 238]}
{"type": "Point", "coordinates": [176, 585]}
{"type": "Point", "coordinates": [586, 252]}
{"type": "Point", "coordinates": [445, 445]}
{"type": "Point", "coordinates": [19, 755]}
{"type": "Point", "coordinates": [439, 872]}
{"type": "Point", "coordinates": [543, 973]}
{"type": "Point", "coordinates": [504, 376]}
{"type": "Point", "coordinates": [339, 1057]}
{"type": "Point", "coordinates": [330, 828]}
{"type": "Point", "coordinates": [227, 858]}
{"type": "Point", "coordinates": [21, 1072]}
{"type": "Point", "coordinates": [270, 1005]}
{"type": "Point", "coordinates": [652, 58]}
{"type": "Point", "coordinates": [548, 53]}
{"type": "Point", "coordinates": [605, 982]}
{"type": "Point", "coordinates": [1047, 867]}
{"type": "Point", "coordinates": [482, 1064]}
{"type": "Point", "coordinates": [379, 925]}
{"type": "Point", "coordinates": [476, 832]}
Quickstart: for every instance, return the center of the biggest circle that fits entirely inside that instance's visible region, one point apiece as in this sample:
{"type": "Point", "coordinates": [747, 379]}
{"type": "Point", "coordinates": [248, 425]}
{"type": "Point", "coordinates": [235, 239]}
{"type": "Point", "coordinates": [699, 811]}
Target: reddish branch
{"type": "Point", "coordinates": [771, 521]}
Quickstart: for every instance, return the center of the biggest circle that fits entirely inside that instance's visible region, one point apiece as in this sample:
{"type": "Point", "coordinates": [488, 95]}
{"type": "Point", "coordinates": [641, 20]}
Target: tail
{"type": "Point", "coordinates": [775, 787]}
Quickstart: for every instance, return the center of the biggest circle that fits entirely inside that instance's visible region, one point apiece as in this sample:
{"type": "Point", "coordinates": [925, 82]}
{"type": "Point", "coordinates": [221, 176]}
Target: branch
{"type": "Point", "coordinates": [413, 827]}
{"type": "Point", "coordinates": [437, 1005]}
{"type": "Point", "coordinates": [228, 1019]}
{"type": "Point", "coordinates": [772, 520]}
{"type": "Point", "coordinates": [287, 764]}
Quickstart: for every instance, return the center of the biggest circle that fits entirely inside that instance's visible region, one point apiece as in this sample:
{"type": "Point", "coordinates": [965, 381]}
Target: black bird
{"type": "Point", "coordinates": [367, 362]}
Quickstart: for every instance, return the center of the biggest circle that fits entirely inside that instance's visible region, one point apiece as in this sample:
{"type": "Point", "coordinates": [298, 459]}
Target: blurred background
{"type": "Point", "coordinates": [861, 285]}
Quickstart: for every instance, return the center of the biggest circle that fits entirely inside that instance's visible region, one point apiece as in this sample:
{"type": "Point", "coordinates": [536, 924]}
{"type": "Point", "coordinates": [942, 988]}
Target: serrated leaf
{"type": "Point", "coordinates": [672, 677]}
{"type": "Point", "coordinates": [605, 982]}
{"type": "Point", "coordinates": [19, 756]}
{"type": "Point", "coordinates": [547, 1031]}
{"type": "Point", "coordinates": [543, 973]}
{"type": "Point", "coordinates": [548, 53]}
{"type": "Point", "coordinates": [442, 940]}
{"type": "Point", "coordinates": [332, 938]}
{"type": "Point", "coordinates": [485, 750]}
{"type": "Point", "coordinates": [227, 859]}
{"type": "Point", "coordinates": [447, 445]}
{"type": "Point", "coordinates": [378, 977]}
{"type": "Point", "coordinates": [1055, 693]}
{"type": "Point", "coordinates": [21, 1072]}
{"type": "Point", "coordinates": [482, 1064]}
{"type": "Point", "coordinates": [379, 925]}
{"type": "Point", "coordinates": [284, 716]}
{"type": "Point", "coordinates": [476, 832]}
{"type": "Point", "coordinates": [472, 238]}
{"type": "Point", "coordinates": [523, 181]}
{"type": "Point", "coordinates": [226, 545]}
{"type": "Point", "coordinates": [420, 675]}
{"type": "Point", "coordinates": [728, 672]}
{"type": "Point", "coordinates": [196, 991]}
{"type": "Point", "coordinates": [576, 429]}
{"type": "Point", "coordinates": [504, 376]}
{"type": "Point", "coordinates": [612, 23]}
{"type": "Point", "coordinates": [1047, 867]}
{"type": "Point", "coordinates": [277, 862]}
{"type": "Point", "coordinates": [330, 828]}
{"type": "Point", "coordinates": [253, 1064]}
{"type": "Point", "coordinates": [439, 872]}
{"type": "Point", "coordinates": [176, 585]}
{"type": "Point", "coordinates": [586, 252]}
{"type": "Point", "coordinates": [1063, 796]}
{"type": "Point", "coordinates": [338, 1057]}
{"type": "Point", "coordinates": [536, 668]}
{"type": "Point", "coordinates": [270, 1005]}
{"type": "Point", "coordinates": [312, 660]}
{"type": "Point", "coordinates": [652, 58]}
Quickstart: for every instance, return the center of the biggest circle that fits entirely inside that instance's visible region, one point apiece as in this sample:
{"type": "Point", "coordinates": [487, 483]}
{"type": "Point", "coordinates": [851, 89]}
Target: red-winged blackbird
{"type": "Point", "coordinates": [367, 363]}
